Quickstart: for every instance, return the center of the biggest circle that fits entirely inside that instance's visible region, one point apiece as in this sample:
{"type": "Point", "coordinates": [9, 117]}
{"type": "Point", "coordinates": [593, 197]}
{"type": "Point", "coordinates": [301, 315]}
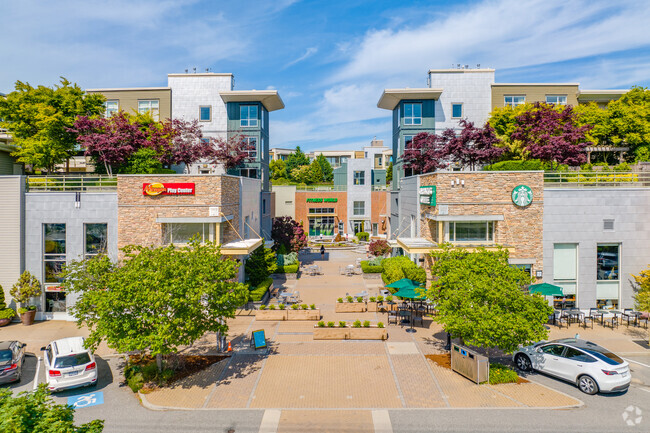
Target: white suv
{"type": "Point", "coordinates": [68, 364]}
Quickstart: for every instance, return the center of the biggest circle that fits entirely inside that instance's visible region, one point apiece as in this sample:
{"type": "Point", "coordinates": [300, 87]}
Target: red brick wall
{"type": "Point", "coordinates": [379, 207]}
{"type": "Point", "coordinates": [302, 207]}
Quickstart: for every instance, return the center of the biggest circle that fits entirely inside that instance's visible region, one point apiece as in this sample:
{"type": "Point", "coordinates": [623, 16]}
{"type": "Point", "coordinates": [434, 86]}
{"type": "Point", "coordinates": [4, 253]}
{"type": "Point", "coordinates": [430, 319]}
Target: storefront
{"type": "Point", "coordinates": [322, 214]}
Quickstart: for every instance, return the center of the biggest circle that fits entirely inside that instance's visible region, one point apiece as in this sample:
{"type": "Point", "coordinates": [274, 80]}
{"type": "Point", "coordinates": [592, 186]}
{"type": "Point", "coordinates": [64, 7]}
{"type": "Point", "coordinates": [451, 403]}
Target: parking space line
{"type": "Point", "coordinates": [38, 368]}
{"type": "Point", "coordinates": [270, 421]}
{"type": "Point", "coordinates": [637, 362]}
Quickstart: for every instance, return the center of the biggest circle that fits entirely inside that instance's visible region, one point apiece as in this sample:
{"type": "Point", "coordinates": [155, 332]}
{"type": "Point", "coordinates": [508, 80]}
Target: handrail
{"type": "Point", "coordinates": [68, 183]}
{"type": "Point", "coordinates": [597, 179]}
{"type": "Point", "coordinates": [321, 188]}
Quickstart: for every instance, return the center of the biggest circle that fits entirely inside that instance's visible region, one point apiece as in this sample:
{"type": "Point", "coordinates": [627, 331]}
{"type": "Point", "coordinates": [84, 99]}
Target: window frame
{"type": "Point", "coordinates": [108, 113]}
{"type": "Point", "coordinates": [359, 177]}
{"type": "Point", "coordinates": [356, 208]}
{"type": "Point", "coordinates": [512, 103]}
{"type": "Point", "coordinates": [155, 111]}
{"type": "Point", "coordinates": [414, 120]}
{"type": "Point", "coordinates": [248, 119]}
{"type": "Point", "coordinates": [168, 233]}
{"type": "Point", "coordinates": [490, 232]}
{"type": "Point", "coordinates": [58, 257]}
{"type": "Point", "coordinates": [252, 154]}
{"type": "Point", "coordinates": [103, 250]}
{"type": "Point", "coordinates": [209, 107]}
{"type": "Point", "coordinates": [557, 99]}
{"type": "Point", "coordinates": [462, 110]}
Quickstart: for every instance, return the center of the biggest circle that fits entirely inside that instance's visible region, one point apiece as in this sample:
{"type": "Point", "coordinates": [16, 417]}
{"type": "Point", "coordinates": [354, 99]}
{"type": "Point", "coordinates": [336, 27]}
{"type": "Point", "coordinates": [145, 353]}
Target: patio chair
{"type": "Point", "coordinates": [392, 316]}
{"type": "Point", "coordinates": [584, 319]}
{"type": "Point", "coordinates": [643, 318]}
{"type": "Point", "coordinates": [627, 316]}
{"type": "Point", "coordinates": [418, 316]}
{"type": "Point", "coordinates": [295, 297]}
{"type": "Point", "coordinates": [560, 319]}
{"type": "Point", "coordinates": [610, 321]}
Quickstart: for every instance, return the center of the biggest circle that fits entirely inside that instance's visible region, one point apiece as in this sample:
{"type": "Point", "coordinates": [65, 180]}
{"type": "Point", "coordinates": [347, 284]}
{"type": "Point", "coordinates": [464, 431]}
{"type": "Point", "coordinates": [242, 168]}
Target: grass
{"type": "Point", "coordinates": [499, 373]}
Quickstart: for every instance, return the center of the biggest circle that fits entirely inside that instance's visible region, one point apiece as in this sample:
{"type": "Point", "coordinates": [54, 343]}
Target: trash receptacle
{"type": "Point", "coordinates": [470, 364]}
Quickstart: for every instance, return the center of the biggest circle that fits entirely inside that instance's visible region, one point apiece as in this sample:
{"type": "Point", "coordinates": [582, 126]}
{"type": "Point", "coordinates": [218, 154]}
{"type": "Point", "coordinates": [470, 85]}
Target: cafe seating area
{"type": "Point", "coordinates": [609, 318]}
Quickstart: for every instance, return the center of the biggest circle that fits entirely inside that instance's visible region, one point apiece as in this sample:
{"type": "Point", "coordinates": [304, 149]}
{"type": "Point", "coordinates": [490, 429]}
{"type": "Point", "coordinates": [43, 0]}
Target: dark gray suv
{"type": "Point", "coordinates": [12, 355]}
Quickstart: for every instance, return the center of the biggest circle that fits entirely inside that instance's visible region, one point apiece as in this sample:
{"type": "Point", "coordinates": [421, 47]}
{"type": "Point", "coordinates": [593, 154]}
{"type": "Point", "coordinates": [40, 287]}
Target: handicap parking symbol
{"type": "Point", "coordinates": [86, 400]}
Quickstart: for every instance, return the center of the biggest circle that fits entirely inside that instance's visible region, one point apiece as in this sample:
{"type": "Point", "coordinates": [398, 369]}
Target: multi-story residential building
{"type": "Point", "coordinates": [138, 100]}
{"type": "Point", "coordinates": [336, 158]}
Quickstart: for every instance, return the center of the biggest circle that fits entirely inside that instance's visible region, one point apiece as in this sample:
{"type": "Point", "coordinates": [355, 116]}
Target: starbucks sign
{"type": "Point", "coordinates": [522, 195]}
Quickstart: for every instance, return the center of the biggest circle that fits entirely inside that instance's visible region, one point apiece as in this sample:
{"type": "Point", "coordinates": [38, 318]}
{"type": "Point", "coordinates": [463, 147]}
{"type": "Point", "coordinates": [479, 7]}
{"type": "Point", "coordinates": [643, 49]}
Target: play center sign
{"type": "Point", "coordinates": [157, 188]}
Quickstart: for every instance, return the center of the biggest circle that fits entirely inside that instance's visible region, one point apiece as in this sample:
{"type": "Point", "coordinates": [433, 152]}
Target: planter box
{"type": "Point", "coordinates": [372, 306]}
{"type": "Point", "coordinates": [293, 276]}
{"type": "Point", "coordinates": [331, 333]}
{"type": "Point", "coordinates": [274, 315]}
{"type": "Point", "coordinates": [303, 314]}
{"type": "Point", "coordinates": [373, 276]}
{"type": "Point", "coordinates": [372, 333]}
{"type": "Point", "coordinates": [351, 307]}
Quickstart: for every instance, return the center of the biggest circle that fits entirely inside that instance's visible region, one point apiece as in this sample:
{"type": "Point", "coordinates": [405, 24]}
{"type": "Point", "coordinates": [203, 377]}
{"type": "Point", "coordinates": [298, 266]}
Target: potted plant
{"type": "Point", "coordinates": [6, 314]}
{"type": "Point", "coordinates": [23, 291]}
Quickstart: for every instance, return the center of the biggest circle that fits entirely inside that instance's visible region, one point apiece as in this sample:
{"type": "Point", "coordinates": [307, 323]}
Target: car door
{"type": "Point", "coordinates": [550, 362]}
{"type": "Point", "coordinates": [574, 362]}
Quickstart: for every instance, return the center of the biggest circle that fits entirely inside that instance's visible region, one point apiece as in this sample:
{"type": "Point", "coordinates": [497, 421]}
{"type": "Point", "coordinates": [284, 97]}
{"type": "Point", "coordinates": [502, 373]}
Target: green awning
{"type": "Point", "coordinates": [546, 289]}
{"type": "Point", "coordinates": [403, 283]}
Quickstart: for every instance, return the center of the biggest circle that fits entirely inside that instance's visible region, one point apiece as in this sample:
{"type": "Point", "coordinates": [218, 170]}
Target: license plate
{"type": "Point", "coordinates": [73, 373]}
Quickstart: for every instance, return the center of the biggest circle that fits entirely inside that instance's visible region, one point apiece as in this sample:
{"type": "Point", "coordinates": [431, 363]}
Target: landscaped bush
{"type": "Point", "coordinates": [372, 299]}
{"type": "Point", "coordinates": [282, 306]}
{"type": "Point", "coordinates": [367, 268]}
{"type": "Point", "coordinates": [380, 324]}
{"type": "Point", "coordinates": [359, 298]}
{"type": "Point", "coordinates": [321, 324]}
{"type": "Point", "coordinates": [366, 324]}
{"type": "Point", "coordinates": [262, 307]}
{"type": "Point", "coordinates": [357, 324]}
{"type": "Point", "coordinates": [313, 306]}
{"type": "Point", "coordinates": [272, 307]}
{"type": "Point", "coordinates": [516, 165]}
{"type": "Point", "coordinates": [339, 300]}
{"type": "Point", "coordinates": [287, 259]}
{"type": "Point", "coordinates": [259, 265]}
{"type": "Point", "coordinates": [287, 269]}
{"type": "Point", "coordinates": [304, 306]}
{"type": "Point", "coordinates": [499, 373]}
{"type": "Point", "coordinates": [396, 268]}
{"type": "Point", "coordinates": [342, 324]}
{"type": "Point", "coordinates": [350, 299]}
{"type": "Point", "coordinates": [258, 292]}
{"type": "Point", "coordinates": [295, 306]}
{"type": "Point", "coordinates": [330, 324]}
{"type": "Point", "coordinates": [363, 236]}
{"type": "Point", "coordinates": [416, 273]}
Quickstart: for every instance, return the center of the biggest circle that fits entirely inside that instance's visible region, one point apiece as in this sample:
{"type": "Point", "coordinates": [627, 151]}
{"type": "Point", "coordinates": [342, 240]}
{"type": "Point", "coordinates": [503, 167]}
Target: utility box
{"type": "Point", "coordinates": [470, 364]}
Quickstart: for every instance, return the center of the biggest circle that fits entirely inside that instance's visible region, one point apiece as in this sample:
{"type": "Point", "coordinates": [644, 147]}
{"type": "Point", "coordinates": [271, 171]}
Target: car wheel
{"type": "Point", "coordinates": [523, 362]}
{"type": "Point", "coordinates": [587, 385]}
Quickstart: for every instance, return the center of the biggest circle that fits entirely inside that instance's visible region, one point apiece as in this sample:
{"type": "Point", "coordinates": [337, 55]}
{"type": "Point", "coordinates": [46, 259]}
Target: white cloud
{"type": "Point", "coordinates": [308, 53]}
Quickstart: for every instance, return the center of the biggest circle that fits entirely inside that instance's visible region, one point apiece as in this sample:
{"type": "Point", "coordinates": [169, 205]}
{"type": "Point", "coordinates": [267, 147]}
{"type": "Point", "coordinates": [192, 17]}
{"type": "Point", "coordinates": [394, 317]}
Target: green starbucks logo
{"type": "Point", "coordinates": [522, 195]}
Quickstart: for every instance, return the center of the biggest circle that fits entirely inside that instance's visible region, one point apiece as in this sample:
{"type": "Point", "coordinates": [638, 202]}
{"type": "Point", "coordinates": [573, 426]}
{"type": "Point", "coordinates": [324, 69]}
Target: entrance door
{"type": "Point", "coordinates": [357, 226]}
{"type": "Point", "coordinates": [314, 226]}
{"type": "Point", "coordinates": [375, 230]}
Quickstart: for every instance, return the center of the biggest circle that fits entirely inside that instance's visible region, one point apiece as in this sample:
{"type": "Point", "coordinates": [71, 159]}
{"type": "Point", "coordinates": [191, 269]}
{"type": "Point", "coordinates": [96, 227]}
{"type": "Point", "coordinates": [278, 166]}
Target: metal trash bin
{"type": "Point", "coordinates": [470, 364]}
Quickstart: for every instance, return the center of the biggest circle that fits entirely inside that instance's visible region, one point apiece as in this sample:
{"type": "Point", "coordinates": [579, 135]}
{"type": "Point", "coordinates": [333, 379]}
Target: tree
{"type": "Point", "coordinates": [379, 248]}
{"type": "Point", "coordinates": [303, 174]}
{"type": "Point", "coordinates": [157, 298]}
{"type": "Point", "coordinates": [389, 173]}
{"type": "Point", "coordinates": [37, 412]}
{"type": "Point", "coordinates": [26, 288]}
{"type": "Point", "coordinates": [142, 161]}
{"type": "Point", "coordinates": [295, 160]}
{"type": "Point", "coordinates": [326, 168]}
{"type": "Point", "coordinates": [425, 153]}
{"type": "Point", "coordinates": [278, 169]}
{"type": "Point", "coordinates": [288, 235]}
{"type": "Point", "coordinates": [552, 135]}
{"type": "Point", "coordinates": [315, 172]}
{"type": "Point", "coordinates": [504, 122]}
{"type": "Point", "coordinates": [260, 264]}
{"type": "Point", "coordinates": [642, 296]}
{"type": "Point", "coordinates": [40, 121]}
{"type": "Point", "coordinates": [232, 152]}
{"type": "Point", "coordinates": [179, 141]}
{"type": "Point", "coordinates": [473, 146]}
{"type": "Point", "coordinates": [480, 299]}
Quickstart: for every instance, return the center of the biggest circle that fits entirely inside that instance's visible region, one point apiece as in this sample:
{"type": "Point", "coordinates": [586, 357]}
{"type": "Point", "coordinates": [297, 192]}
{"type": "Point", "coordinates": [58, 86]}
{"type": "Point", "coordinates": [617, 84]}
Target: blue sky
{"type": "Point", "coordinates": [329, 60]}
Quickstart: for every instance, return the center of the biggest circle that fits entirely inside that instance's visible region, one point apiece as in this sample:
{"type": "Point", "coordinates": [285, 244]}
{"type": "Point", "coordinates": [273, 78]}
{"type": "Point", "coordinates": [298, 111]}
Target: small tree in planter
{"type": "Point", "coordinates": [26, 288]}
{"type": "Point", "coordinates": [6, 314]}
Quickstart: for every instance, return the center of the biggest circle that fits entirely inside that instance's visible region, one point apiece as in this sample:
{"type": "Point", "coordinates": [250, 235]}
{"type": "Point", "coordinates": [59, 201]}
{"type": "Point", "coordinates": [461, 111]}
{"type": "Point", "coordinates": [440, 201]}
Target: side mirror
{"type": "Point", "coordinates": [43, 348]}
{"type": "Point", "coordinates": [538, 349]}
{"type": "Point", "coordinates": [23, 345]}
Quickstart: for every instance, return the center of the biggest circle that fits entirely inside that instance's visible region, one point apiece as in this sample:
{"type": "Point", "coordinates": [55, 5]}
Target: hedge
{"type": "Point", "coordinates": [258, 292]}
{"type": "Point", "coordinates": [367, 268]}
{"type": "Point", "coordinates": [396, 268]}
{"type": "Point", "coordinates": [363, 236]}
{"type": "Point", "coordinates": [287, 269]}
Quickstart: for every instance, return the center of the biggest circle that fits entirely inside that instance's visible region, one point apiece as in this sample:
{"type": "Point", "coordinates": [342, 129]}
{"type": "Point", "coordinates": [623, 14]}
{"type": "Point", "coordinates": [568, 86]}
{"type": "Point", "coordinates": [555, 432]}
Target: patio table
{"type": "Point", "coordinates": [632, 314]}
{"type": "Point", "coordinates": [597, 313]}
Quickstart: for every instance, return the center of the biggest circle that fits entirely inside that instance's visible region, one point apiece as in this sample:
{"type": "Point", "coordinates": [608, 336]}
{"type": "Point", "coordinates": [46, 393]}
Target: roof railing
{"type": "Point", "coordinates": [71, 183]}
{"type": "Point", "coordinates": [597, 179]}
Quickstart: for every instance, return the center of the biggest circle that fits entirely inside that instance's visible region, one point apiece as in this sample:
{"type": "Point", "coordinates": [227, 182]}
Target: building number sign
{"type": "Point", "coordinates": [522, 195]}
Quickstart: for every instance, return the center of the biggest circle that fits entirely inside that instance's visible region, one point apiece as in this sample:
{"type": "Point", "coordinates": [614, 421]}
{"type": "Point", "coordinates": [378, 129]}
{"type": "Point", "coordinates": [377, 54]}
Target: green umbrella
{"type": "Point", "coordinates": [403, 283]}
{"type": "Point", "coordinates": [408, 292]}
{"type": "Point", "coordinates": [546, 289]}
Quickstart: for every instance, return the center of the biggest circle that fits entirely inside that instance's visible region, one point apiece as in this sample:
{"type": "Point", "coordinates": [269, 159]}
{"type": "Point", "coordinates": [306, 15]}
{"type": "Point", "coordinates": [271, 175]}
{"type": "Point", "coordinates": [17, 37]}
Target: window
{"type": "Point", "coordinates": [321, 226]}
{"type": "Point", "coordinates": [607, 275]}
{"type": "Point", "coordinates": [54, 250]}
{"type": "Point", "coordinates": [251, 147]}
{"type": "Point", "coordinates": [263, 206]}
{"type": "Point", "coordinates": [407, 140]}
{"type": "Point", "coordinates": [565, 273]}
{"type": "Point", "coordinates": [578, 356]}
{"type": "Point", "coordinates": [359, 177]}
{"type": "Point", "coordinates": [553, 349]}
{"type": "Point", "coordinates": [95, 239]}
{"type": "Point", "coordinates": [359, 208]}
{"type": "Point", "coordinates": [556, 99]}
{"type": "Point", "coordinates": [456, 111]}
{"type": "Point", "coordinates": [321, 210]}
{"type": "Point", "coordinates": [181, 233]}
{"type": "Point", "coordinates": [111, 108]}
{"type": "Point", "coordinates": [513, 101]}
{"type": "Point", "coordinates": [375, 229]}
{"type": "Point", "coordinates": [205, 113]}
{"type": "Point", "coordinates": [412, 114]}
{"type": "Point", "coordinates": [248, 172]}
{"type": "Point", "coordinates": [151, 106]}
{"type": "Point", "coordinates": [471, 231]}
{"type": "Point", "coordinates": [248, 115]}
{"type": "Point", "coordinates": [379, 161]}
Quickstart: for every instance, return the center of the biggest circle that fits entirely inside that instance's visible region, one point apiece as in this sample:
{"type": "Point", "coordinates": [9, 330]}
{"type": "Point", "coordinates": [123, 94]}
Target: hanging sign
{"type": "Point", "coordinates": [157, 188]}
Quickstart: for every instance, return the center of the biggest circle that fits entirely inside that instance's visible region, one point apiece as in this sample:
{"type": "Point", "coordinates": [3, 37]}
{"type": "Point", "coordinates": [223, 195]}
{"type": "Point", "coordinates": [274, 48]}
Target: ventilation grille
{"type": "Point", "coordinates": [608, 224]}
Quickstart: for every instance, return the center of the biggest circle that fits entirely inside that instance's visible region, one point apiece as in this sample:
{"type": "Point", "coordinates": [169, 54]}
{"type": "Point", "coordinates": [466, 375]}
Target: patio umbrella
{"type": "Point", "coordinates": [409, 293]}
{"type": "Point", "coordinates": [546, 289]}
{"type": "Point", "coordinates": [403, 283]}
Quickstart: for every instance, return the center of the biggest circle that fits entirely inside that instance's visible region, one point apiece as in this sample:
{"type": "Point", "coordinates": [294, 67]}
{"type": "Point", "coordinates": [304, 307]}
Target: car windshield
{"type": "Point", "coordinates": [603, 354]}
{"type": "Point", "coordinates": [5, 355]}
{"type": "Point", "coordinates": [72, 360]}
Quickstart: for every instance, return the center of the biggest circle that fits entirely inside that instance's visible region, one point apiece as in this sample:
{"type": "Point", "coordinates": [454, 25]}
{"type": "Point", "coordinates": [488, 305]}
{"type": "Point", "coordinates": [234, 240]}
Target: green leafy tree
{"type": "Point", "coordinates": [480, 299]}
{"type": "Point", "coordinates": [36, 412]}
{"type": "Point", "coordinates": [40, 120]}
{"type": "Point", "coordinates": [142, 161]}
{"type": "Point", "coordinates": [260, 264]}
{"type": "Point", "coordinates": [5, 312]}
{"type": "Point", "coordinates": [642, 288]}
{"type": "Point", "coordinates": [315, 172]}
{"type": "Point", "coordinates": [326, 168]}
{"type": "Point", "coordinates": [278, 169]}
{"type": "Point", "coordinates": [389, 173]}
{"type": "Point", "coordinates": [26, 288]}
{"type": "Point", "coordinates": [157, 298]}
{"type": "Point", "coordinates": [303, 174]}
{"type": "Point", "coordinates": [295, 160]}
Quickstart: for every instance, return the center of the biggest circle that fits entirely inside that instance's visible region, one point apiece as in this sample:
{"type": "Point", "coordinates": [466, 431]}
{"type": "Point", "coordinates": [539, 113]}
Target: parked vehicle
{"type": "Point", "coordinates": [590, 367]}
{"type": "Point", "coordinates": [68, 364]}
{"type": "Point", "coordinates": [12, 356]}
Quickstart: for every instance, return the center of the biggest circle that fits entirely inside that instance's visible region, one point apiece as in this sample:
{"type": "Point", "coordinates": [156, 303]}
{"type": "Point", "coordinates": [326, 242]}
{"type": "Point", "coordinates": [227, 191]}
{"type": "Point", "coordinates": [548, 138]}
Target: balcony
{"type": "Point", "coordinates": [71, 183]}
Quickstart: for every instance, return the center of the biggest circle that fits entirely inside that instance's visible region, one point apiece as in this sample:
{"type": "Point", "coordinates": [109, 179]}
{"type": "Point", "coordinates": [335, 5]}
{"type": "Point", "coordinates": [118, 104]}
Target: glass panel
{"type": "Point", "coordinates": [470, 231]}
{"type": "Point", "coordinates": [417, 110]}
{"type": "Point", "coordinates": [96, 238]}
{"type": "Point", "coordinates": [408, 110]}
{"type": "Point", "coordinates": [607, 262]}
{"type": "Point", "coordinates": [55, 302]}
{"type": "Point", "coordinates": [182, 233]}
{"type": "Point", "coordinates": [553, 349]}
{"type": "Point", "coordinates": [54, 238]}
{"type": "Point", "coordinates": [53, 269]}
{"type": "Point", "coordinates": [457, 110]}
{"type": "Point", "coordinates": [205, 113]}
{"type": "Point", "coordinates": [565, 263]}
{"type": "Point", "coordinates": [72, 360]}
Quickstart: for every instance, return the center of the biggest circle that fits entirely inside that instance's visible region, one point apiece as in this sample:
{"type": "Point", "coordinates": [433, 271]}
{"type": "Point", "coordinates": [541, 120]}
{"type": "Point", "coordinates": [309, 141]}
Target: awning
{"type": "Point", "coordinates": [546, 289]}
{"type": "Point", "coordinates": [403, 284]}
{"type": "Point", "coordinates": [461, 218]}
{"type": "Point", "coordinates": [416, 245]}
{"type": "Point", "coordinates": [391, 97]}
{"type": "Point", "coordinates": [241, 248]}
{"type": "Point", "coordinates": [192, 220]}
{"type": "Point", "coordinates": [269, 98]}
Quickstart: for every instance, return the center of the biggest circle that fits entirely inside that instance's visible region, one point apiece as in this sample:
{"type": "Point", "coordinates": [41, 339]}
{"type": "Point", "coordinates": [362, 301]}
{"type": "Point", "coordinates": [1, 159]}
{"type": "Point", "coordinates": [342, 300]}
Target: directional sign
{"type": "Point", "coordinates": [258, 339]}
{"type": "Point", "coordinates": [86, 400]}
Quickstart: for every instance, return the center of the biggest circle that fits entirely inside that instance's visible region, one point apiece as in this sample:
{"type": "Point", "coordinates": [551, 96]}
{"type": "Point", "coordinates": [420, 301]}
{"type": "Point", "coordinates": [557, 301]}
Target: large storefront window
{"type": "Point", "coordinates": [321, 226]}
{"type": "Point", "coordinates": [53, 251]}
{"type": "Point", "coordinates": [471, 231]}
{"type": "Point", "coordinates": [95, 239]}
{"type": "Point", "coordinates": [181, 233]}
{"type": "Point", "coordinates": [607, 275]}
{"type": "Point", "coordinates": [565, 274]}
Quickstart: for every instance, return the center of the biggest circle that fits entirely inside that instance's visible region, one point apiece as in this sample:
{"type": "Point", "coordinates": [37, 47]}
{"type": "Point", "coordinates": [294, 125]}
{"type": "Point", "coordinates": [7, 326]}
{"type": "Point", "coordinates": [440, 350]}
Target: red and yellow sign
{"type": "Point", "coordinates": [157, 188]}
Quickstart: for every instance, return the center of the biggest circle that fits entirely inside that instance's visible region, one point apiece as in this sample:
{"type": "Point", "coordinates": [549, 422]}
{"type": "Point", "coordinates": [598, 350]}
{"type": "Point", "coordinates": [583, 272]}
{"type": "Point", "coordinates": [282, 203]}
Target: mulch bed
{"type": "Point", "coordinates": [444, 360]}
{"type": "Point", "coordinates": [191, 364]}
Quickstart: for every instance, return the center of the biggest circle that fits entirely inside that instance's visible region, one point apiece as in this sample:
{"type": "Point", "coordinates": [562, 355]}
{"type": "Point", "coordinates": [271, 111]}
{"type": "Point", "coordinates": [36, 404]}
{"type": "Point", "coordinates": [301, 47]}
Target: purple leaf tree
{"type": "Point", "coordinates": [288, 235]}
{"type": "Point", "coordinates": [232, 152]}
{"type": "Point", "coordinates": [179, 142]}
{"type": "Point", "coordinates": [473, 146]}
{"type": "Point", "coordinates": [425, 153]}
{"type": "Point", "coordinates": [552, 135]}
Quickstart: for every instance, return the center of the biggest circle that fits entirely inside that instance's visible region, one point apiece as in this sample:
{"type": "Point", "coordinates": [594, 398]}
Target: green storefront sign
{"type": "Point", "coordinates": [428, 195]}
{"type": "Point", "coordinates": [322, 200]}
{"type": "Point", "coordinates": [522, 195]}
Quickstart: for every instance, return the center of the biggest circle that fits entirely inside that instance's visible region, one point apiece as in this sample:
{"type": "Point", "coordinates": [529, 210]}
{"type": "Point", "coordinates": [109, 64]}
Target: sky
{"type": "Point", "coordinates": [329, 60]}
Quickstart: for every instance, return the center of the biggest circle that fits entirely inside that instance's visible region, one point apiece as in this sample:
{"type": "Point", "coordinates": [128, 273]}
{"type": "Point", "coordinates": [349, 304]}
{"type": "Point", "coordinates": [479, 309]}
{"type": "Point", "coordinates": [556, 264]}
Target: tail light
{"type": "Point", "coordinates": [609, 372]}
{"type": "Point", "coordinates": [11, 367]}
{"type": "Point", "coordinates": [54, 373]}
{"type": "Point", "coordinates": [91, 366]}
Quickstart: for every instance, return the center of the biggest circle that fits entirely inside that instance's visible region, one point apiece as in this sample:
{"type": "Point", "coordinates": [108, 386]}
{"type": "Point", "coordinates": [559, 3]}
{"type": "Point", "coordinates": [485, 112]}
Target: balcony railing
{"type": "Point", "coordinates": [71, 183]}
{"type": "Point", "coordinates": [300, 188]}
{"type": "Point", "coordinates": [597, 179]}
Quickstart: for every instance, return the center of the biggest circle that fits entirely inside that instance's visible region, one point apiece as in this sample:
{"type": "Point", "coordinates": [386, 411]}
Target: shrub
{"type": "Point", "coordinates": [396, 268]}
{"type": "Point", "coordinates": [359, 298]}
{"type": "Point", "coordinates": [304, 306]}
{"type": "Point", "coordinates": [330, 324]}
{"type": "Point", "coordinates": [366, 324]}
{"type": "Point", "coordinates": [363, 236]}
{"type": "Point", "coordinates": [295, 306]}
{"type": "Point", "coordinates": [288, 269]}
{"type": "Point", "coordinates": [350, 299]}
{"type": "Point", "coordinates": [287, 259]}
{"type": "Point", "coordinates": [379, 247]}
{"type": "Point", "coordinates": [282, 306]}
{"type": "Point", "coordinates": [367, 268]}
{"type": "Point", "coordinates": [135, 382]}
{"type": "Point", "coordinates": [380, 298]}
{"type": "Point", "coordinates": [380, 324]}
{"type": "Point", "coordinates": [321, 324]}
{"type": "Point", "coordinates": [389, 299]}
{"type": "Point", "coordinates": [516, 165]}
{"type": "Point", "coordinates": [262, 307]}
{"type": "Point", "coordinates": [373, 299]}
{"type": "Point", "coordinates": [499, 373]}
{"type": "Point", "coordinates": [416, 273]}
{"type": "Point", "coordinates": [7, 313]}
{"type": "Point", "coordinates": [258, 292]}
{"type": "Point", "coordinates": [623, 166]}
{"type": "Point", "coordinates": [272, 307]}
{"type": "Point", "coordinates": [375, 261]}
{"type": "Point", "coordinates": [342, 324]}
{"type": "Point", "coordinates": [313, 306]}
{"type": "Point", "coordinates": [259, 265]}
{"type": "Point", "coordinates": [339, 300]}
{"type": "Point", "coordinates": [26, 288]}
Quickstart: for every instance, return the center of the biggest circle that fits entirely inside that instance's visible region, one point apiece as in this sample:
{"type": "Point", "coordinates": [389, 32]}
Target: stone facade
{"type": "Point", "coordinates": [137, 213]}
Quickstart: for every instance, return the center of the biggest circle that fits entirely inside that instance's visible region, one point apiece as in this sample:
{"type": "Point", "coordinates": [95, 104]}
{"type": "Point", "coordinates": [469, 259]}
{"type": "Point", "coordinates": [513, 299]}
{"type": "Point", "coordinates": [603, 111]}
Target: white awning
{"type": "Point", "coordinates": [464, 217]}
{"type": "Point", "coordinates": [416, 245]}
{"type": "Point", "coordinates": [191, 220]}
{"type": "Point", "coordinates": [241, 248]}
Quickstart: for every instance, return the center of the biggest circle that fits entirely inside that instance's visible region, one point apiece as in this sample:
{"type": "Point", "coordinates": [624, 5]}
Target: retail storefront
{"type": "Point", "coordinates": [322, 214]}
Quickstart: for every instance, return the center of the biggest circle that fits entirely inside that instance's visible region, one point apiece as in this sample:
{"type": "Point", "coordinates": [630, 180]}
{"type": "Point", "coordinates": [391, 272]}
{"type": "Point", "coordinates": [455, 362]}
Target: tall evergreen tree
{"type": "Point", "coordinates": [326, 168]}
